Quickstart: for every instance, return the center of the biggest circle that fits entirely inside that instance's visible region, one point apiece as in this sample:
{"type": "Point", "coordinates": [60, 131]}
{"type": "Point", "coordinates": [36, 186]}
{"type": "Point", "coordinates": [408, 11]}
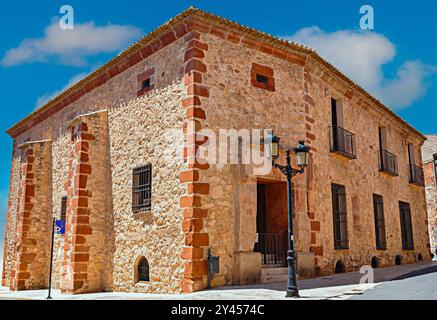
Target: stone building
{"type": "Point", "coordinates": [429, 156]}
{"type": "Point", "coordinates": [114, 157]}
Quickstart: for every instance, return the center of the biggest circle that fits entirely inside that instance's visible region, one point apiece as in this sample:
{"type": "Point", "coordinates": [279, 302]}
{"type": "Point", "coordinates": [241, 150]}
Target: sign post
{"type": "Point", "coordinates": [58, 227]}
{"type": "Point", "coordinates": [51, 260]}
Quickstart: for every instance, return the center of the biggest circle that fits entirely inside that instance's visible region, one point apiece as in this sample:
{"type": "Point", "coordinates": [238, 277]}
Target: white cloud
{"type": "Point", "coordinates": [361, 55]}
{"type": "Point", "coordinates": [71, 47]}
{"type": "Point", "coordinates": [48, 96]}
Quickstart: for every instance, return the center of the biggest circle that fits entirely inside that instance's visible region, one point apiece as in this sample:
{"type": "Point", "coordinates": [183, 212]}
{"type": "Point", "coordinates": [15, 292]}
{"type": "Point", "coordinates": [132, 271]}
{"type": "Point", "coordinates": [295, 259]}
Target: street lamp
{"type": "Point", "coordinates": [302, 156]}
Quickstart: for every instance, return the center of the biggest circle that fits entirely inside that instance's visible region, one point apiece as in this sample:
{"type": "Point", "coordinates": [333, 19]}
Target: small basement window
{"type": "Point", "coordinates": [142, 188]}
{"type": "Point", "coordinates": [143, 270]}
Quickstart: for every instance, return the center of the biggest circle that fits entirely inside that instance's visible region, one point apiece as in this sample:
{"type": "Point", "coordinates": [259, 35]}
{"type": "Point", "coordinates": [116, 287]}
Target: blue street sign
{"type": "Point", "coordinates": [60, 227]}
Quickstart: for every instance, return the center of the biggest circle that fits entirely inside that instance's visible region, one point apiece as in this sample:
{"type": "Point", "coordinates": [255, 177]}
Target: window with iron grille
{"type": "Point", "coordinates": [378, 208]}
{"type": "Point", "coordinates": [63, 208]}
{"type": "Point", "coordinates": [143, 270]}
{"type": "Point", "coordinates": [142, 188]}
{"type": "Point", "coordinates": [339, 216]}
{"type": "Point", "coordinates": [262, 79]}
{"type": "Point", "coordinates": [406, 226]}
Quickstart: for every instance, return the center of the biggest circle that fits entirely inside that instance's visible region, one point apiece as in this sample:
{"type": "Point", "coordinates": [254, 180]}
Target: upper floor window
{"type": "Point", "coordinates": [341, 140]}
{"type": "Point", "coordinates": [262, 77]}
{"type": "Point", "coordinates": [388, 162]}
{"type": "Point", "coordinates": [146, 84]}
{"type": "Point", "coordinates": [378, 208]}
{"type": "Point", "coordinates": [339, 216]}
{"type": "Point", "coordinates": [146, 81]}
{"type": "Point", "coordinates": [406, 226]}
{"type": "Point", "coordinates": [142, 188]}
{"type": "Point", "coordinates": [415, 173]}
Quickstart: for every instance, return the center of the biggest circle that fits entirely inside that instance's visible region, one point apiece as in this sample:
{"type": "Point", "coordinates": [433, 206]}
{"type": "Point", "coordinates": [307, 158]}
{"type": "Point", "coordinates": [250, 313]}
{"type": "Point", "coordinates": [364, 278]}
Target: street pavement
{"type": "Point", "coordinates": [406, 282]}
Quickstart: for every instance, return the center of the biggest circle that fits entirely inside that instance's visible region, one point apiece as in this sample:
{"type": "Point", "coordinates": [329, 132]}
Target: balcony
{"type": "Point", "coordinates": [388, 162]}
{"type": "Point", "coordinates": [342, 142]}
{"type": "Point", "coordinates": [416, 175]}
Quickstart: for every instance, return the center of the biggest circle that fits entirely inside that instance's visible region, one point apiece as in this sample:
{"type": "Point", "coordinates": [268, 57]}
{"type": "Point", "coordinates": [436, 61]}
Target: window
{"type": "Point", "coordinates": [378, 208]}
{"type": "Point", "coordinates": [142, 188]}
{"type": "Point", "coordinates": [415, 173]}
{"type": "Point", "coordinates": [143, 270]}
{"type": "Point", "coordinates": [342, 141]}
{"type": "Point", "coordinates": [262, 79]}
{"type": "Point", "coordinates": [63, 208]}
{"type": "Point", "coordinates": [340, 267]}
{"type": "Point", "coordinates": [388, 162]}
{"type": "Point", "coordinates": [339, 217]}
{"type": "Point", "coordinates": [146, 84]}
{"type": "Point", "coordinates": [406, 227]}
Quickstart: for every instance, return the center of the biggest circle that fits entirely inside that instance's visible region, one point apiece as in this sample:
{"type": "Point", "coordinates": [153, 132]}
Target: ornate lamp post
{"type": "Point", "coordinates": [302, 154]}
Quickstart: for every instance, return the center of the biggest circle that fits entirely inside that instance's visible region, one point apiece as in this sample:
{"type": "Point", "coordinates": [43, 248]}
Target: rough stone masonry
{"type": "Point", "coordinates": [74, 158]}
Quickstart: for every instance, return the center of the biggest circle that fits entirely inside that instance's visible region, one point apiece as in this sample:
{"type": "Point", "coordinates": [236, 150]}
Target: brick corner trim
{"type": "Point", "coordinates": [82, 218]}
{"type": "Point", "coordinates": [31, 242]}
{"type": "Point", "coordinates": [196, 240]}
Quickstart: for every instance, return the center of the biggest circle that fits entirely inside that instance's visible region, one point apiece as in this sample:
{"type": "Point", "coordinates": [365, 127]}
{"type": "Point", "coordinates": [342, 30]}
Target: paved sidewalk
{"type": "Point", "coordinates": [339, 286]}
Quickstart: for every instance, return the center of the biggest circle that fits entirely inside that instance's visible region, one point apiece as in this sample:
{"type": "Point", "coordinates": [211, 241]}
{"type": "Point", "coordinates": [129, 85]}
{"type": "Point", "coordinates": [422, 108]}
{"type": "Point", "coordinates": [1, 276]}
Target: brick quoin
{"type": "Point", "coordinates": [196, 241]}
{"type": "Point", "coordinates": [78, 211]}
{"type": "Point", "coordinates": [31, 261]}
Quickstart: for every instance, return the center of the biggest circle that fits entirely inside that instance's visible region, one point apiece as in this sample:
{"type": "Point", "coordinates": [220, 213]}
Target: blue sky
{"type": "Point", "coordinates": [396, 62]}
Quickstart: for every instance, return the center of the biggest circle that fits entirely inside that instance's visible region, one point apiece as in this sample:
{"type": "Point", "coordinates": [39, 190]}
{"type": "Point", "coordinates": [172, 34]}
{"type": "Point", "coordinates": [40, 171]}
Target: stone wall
{"type": "Point", "coordinates": [207, 78]}
{"type": "Point", "coordinates": [143, 127]}
{"type": "Point", "coordinates": [235, 104]}
{"type": "Point", "coordinates": [299, 106]}
{"type": "Point", "coordinates": [361, 177]}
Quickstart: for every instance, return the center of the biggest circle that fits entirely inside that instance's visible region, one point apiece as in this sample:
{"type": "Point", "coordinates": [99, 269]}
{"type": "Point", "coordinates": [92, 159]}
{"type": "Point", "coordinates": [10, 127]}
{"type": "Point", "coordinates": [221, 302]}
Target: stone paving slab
{"type": "Point", "coordinates": [339, 286]}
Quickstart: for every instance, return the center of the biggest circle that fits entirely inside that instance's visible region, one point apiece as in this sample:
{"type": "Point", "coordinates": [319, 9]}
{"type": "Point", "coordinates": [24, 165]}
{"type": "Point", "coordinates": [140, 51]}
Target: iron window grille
{"type": "Point", "coordinates": [142, 188]}
{"type": "Point", "coordinates": [63, 208]}
{"type": "Point", "coordinates": [262, 79]}
{"type": "Point", "coordinates": [378, 207]}
{"type": "Point", "coordinates": [388, 162]}
{"type": "Point", "coordinates": [406, 226]}
{"type": "Point", "coordinates": [416, 175]}
{"type": "Point", "coordinates": [341, 241]}
{"type": "Point", "coordinates": [342, 142]}
{"type": "Point", "coordinates": [143, 270]}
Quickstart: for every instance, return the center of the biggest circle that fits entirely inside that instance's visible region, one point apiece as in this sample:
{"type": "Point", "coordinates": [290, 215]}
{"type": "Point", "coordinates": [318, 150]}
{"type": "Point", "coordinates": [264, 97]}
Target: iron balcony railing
{"type": "Point", "coordinates": [388, 162]}
{"type": "Point", "coordinates": [416, 175]}
{"type": "Point", "coordinates": [342, 142]}
{"type": "Point", "coordinates": [273, 248]}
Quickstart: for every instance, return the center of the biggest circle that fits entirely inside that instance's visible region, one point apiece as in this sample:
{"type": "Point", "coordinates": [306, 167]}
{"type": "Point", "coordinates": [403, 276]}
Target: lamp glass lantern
{"type": "Point", "coordinates": [272, 143]}
{"type": "Point", "coordinates": [302, 154]}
